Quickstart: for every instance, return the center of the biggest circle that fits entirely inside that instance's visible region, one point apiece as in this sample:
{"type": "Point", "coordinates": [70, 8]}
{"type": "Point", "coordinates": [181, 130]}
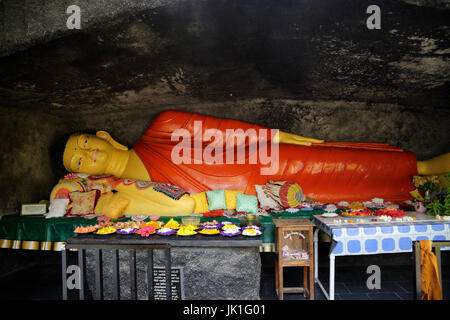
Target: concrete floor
{"type": "Point", "coordinates": [42, 281]}
{"type": "Point", "coordinates": [397, 277]}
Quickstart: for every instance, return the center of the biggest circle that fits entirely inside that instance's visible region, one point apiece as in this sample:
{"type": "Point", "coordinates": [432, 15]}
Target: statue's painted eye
{"type": "Point", "coordinates": [79, 164]}
{"type": "Point", "coordinates": [85, 142]}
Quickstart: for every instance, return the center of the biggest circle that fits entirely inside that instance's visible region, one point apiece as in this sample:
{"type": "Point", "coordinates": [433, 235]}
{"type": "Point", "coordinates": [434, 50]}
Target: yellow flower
{"type": "Point", "coordinates": [172, 224]}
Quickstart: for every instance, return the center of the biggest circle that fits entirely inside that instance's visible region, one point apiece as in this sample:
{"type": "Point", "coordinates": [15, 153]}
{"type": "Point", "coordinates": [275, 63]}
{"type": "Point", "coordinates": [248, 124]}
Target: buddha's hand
{"type": "Point", "coordinates": [284, 137]}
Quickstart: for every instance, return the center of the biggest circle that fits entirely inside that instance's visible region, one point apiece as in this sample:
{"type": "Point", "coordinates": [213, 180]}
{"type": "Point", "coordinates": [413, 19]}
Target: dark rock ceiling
{"type": "Point", "coordinates": [194, 52]}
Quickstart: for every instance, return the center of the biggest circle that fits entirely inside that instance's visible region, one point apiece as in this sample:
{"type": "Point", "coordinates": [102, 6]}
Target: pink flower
{"type": "Point", "coordinates": [70, 176]}
{"type": "Point", "coordinates": [146, 231]}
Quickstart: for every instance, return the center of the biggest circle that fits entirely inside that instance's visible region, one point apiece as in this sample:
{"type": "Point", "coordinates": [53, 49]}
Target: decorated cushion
{"type": "Point", "coordinates": [102, 201]}
{"type": "Point", "coordinates": [201, 204]}
{"type": "Point", "coordinates": [83, 202]}
{"type": "Point", "coordinates": [57, 208]}
{"type": "Point", "coordinates": [115, 207]}
{"type": "Point", "coordinates": [216, 200]}
{"type": "Point", "coordinates": [246, 203]}
{"type": "Point", "coordinates": [264, 200]}
{"type": "Point", "coordinates": [230, 198]}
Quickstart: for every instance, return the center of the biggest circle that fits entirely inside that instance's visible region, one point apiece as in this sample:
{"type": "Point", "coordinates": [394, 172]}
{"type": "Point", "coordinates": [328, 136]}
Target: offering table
{"type": "Point", "coordinates": [214, 267]}
{"type": "Point", "coordinates": [369, 237]}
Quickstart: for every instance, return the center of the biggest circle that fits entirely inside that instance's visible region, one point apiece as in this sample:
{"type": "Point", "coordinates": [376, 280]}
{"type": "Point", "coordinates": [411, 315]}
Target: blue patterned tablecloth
{"type": "Point", "coordinates": [382, 237]}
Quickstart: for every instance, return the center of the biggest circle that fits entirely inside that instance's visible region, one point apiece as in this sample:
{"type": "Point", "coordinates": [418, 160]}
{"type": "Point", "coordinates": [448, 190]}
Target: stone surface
{"type": "Point", "coordinates": [209, 273]}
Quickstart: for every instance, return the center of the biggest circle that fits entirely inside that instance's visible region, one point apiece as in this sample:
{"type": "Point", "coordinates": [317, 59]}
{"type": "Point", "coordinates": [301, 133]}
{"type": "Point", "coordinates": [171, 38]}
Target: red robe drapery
{"type": "Point", "coordinates": [327, 172]}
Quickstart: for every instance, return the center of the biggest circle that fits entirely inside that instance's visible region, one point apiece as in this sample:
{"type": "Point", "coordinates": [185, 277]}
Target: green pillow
{"type": "Point", "coordinates": [216, 200]}
{"type": "Point", "coordinates": [246, 203]}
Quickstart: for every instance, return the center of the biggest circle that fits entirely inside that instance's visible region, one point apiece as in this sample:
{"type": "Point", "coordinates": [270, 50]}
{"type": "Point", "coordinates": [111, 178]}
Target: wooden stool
{"type": "Point", "coordinates": [295, 248]}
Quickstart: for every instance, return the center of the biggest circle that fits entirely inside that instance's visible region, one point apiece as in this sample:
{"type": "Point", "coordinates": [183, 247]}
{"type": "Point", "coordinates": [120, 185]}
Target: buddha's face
{"type": "Point", "coordinates": [87, 153]}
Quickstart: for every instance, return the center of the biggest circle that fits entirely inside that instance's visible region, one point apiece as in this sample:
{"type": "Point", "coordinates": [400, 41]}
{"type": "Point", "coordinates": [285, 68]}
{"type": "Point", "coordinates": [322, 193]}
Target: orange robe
{"type": "Point", "coordinates": [431, 286]}
{"type": "Point", "coordinates": [327, 172]}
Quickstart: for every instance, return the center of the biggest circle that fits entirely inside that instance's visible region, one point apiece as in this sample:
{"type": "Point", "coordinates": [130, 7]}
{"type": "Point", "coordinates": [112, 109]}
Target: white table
{"type": "Point", "coordinates": [368, 237]}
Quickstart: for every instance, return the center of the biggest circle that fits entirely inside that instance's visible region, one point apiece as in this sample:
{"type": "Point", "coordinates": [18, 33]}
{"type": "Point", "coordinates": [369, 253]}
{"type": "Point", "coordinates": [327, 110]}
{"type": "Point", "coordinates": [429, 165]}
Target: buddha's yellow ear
{"type": "Point", "coordinates": [105, 135]}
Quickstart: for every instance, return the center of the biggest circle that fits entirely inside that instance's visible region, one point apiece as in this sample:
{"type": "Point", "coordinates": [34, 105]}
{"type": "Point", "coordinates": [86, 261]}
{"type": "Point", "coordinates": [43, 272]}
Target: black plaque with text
{"type": "Point", "coordinates": [159, 284]}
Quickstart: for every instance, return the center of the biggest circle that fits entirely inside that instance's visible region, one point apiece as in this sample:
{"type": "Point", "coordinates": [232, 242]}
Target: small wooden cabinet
{"type": "Point", "coordinates": [295, 248]}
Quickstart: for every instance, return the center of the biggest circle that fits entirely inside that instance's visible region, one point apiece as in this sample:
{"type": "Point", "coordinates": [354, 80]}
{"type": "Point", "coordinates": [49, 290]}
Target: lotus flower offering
{"type": "Point", "coordinates": [209, 232]}
{"type": "Point", "coordinates": [166, 231]}
{"type": "Point", "coordinates": [172, 224]}
{"type": "Point", "coordinates": [155, 224]}
{"type": "Point", "coordinates": [254, 227]}
{"type": "Point", "coordinates": [87, 229]}
{"type": "Point", "coordinates": [188, 230]}
{"type": "Point", "coordinates": [230, 232]}
{"type": "Point", "coordinates": [126, 231]}
{"type": "Point", "coordinates": [146, 231]}
{"type": "Point", "coordinates": [251, 231]}
{"type": "Point", "coordinates": [226, 223]}
{"type": "Point", "coordinates": [106, 230]}
{"type": "Point", "coordinates": [209, 225]}
{"type": "Point", "coordinates": [231, 227]}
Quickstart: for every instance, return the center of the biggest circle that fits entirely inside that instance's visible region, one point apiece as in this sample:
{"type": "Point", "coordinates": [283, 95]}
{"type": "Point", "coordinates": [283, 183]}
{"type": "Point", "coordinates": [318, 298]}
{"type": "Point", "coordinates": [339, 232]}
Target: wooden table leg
{"type": "Point", "coordinates": [280, 280]}
{"type": "Point", "coordinates": [276, 276]}
{"type": "Point", "coordinates": [305, 280]}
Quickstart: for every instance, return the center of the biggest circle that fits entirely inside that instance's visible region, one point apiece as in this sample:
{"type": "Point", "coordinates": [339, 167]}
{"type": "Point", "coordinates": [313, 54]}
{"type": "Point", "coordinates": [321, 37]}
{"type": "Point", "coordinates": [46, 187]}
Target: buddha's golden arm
{"type": "Point", "coordinates": [289, 138]}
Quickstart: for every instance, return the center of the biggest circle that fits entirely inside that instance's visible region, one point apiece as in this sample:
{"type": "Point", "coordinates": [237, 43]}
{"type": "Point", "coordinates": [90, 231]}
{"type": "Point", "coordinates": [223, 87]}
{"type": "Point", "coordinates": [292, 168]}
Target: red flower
{"type": "Point", "coordinates": [390, 212]}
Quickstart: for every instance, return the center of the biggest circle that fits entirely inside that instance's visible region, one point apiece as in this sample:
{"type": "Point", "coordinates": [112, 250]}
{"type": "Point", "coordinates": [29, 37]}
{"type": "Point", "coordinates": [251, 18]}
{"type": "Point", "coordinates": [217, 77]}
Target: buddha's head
{"type": "Point", "coordinates": [94, 154]}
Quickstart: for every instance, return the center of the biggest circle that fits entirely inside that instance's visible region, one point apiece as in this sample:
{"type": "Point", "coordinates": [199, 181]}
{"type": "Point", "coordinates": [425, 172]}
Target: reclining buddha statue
{"type": "Point", "coordinates": [327, 172]}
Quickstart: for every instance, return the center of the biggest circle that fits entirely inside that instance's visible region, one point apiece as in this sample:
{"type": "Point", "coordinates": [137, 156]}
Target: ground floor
{"type": "Point", "coordinates": [37, 276]}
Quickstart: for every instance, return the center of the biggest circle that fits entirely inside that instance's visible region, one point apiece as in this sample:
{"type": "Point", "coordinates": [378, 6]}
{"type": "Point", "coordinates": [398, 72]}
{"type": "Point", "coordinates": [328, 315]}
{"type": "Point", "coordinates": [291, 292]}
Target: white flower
{"type": "Point", "coordinates": [378, 201]}
{"type": "Point", "coordinates": [330, 208]}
